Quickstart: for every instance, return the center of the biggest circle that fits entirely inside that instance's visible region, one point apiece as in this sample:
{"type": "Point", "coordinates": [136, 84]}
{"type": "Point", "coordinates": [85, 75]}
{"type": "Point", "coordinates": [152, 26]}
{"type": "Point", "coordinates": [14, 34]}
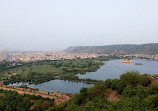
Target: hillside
{"type": "Point", "coordinates": [132, 92]}
{"type": "Point", "coordinates": [151, 48]}
{"type": "Point", "coordinates": [13, 101]}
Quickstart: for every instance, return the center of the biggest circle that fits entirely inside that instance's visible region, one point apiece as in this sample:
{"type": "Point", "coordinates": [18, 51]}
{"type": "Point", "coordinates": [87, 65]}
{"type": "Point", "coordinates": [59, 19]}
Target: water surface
{"type": "Point", "coordinates": [114, 68]}
{"type": "Point", "coordinates": [57, 86]}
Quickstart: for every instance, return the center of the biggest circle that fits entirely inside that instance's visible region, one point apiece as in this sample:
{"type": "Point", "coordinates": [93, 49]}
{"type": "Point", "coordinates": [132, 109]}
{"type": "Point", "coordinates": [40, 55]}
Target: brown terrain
{"type": "Point", "coordinates": [153, 80]}
{"type": "Point", "coordinates": [59, 98]}
{"type": "Point", "coordinates": [112, 95]}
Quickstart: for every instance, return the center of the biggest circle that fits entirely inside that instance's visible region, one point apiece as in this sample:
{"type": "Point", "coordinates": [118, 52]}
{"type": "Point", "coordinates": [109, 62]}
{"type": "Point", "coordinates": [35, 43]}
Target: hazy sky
{"type": "Point", "coordinates": [58, 24]}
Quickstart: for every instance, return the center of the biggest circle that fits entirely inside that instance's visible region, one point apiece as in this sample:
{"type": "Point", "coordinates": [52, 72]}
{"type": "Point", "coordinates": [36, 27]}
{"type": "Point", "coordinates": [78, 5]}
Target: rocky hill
{"type": "Point", "coordinates": [151, 49]}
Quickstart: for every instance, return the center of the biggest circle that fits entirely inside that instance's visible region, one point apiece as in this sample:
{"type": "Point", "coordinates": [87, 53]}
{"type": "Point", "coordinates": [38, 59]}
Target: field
{"type": "Point", "coordinates": [48, 70]}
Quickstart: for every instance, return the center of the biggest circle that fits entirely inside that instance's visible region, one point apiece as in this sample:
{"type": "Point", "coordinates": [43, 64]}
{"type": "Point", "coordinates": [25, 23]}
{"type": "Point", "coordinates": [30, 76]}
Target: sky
{"type": "Point", "coordinates": [54, 25]}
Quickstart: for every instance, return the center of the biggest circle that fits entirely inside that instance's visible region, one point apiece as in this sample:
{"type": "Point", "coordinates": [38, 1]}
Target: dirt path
{"type": "Point", "coordinates": [58, 97]}
{"type": "Point", "coordinates": [26, 92]}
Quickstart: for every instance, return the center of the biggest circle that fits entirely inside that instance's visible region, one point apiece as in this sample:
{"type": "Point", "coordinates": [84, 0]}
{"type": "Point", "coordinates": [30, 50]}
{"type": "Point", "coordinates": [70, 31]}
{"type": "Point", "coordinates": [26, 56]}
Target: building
{"type": "Point", "coordinates": [126, 61]}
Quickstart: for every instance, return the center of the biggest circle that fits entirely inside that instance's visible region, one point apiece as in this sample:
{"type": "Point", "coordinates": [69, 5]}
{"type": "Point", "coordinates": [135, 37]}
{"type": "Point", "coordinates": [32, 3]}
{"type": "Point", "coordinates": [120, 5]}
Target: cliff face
{"type": "Point", "coordinates": [116, 49]}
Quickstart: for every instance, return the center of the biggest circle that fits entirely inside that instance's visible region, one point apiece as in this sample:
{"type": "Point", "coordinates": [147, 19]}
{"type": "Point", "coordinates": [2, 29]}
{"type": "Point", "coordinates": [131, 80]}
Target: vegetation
{"type": "Point", "coordinates": [12, 101]}
{"type": "Point", "coordinates": [122, 49]}
{"type": "Point", "coordinates": [133, 94]}
{"type": "Point", "coordinates": [41, 71]}
{"type": "Point", "coordinates": [24, 86]}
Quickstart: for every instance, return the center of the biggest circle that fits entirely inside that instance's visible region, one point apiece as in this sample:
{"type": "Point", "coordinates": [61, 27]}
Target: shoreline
{"type": "Point", "coordinates": [69, 74]}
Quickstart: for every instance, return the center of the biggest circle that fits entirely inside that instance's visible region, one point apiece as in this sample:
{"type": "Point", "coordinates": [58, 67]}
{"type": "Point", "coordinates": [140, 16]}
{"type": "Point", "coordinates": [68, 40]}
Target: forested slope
{"type": "Point", "coordinates": [12, 101]}
{"type": "Point", "coordinates": [132, 92]}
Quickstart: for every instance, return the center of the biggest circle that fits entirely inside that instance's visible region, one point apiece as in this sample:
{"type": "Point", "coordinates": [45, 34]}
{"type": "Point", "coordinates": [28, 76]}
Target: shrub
{"type": "Point", "coordinates": [98, 90]}
{"type": "Point", "coordinates": [152, 101]}
{"type": "Point", "coordinates": [108, 83]}
{"type": "Point", "coordinates": [153, 89]}
{"type": "Point", "coordinates": [134, 78]}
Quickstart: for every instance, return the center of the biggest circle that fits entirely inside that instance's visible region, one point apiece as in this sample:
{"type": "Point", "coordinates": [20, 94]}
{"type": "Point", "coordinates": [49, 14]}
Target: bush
{"type": "Point", "coordinates": [129, 91]}
{"type": "Point", "coordinates": [153, 89]}
{"type": "Point", "coordinates": [134, 78]}
{"type": "Point", "coordinates": [114, 84]}
{"type": "Point", "coordinates": [152, 101]}
{"type": "Point", "coordinates": [98, 90]}
{"type": "Point", "coordinates": [108, 83]}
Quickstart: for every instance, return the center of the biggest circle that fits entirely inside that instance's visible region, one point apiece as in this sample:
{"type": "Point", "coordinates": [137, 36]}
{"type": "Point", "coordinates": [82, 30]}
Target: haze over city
{"type": "Point", "coordinates": [57, 24]}
{"type": "Point", "coordinates": [78, 55]}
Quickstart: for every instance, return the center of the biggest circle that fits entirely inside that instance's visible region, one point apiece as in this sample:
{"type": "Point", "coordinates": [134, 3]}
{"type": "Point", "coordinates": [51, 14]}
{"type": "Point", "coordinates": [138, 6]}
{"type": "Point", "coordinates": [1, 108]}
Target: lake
{"type": "Point", "coordinates": [114, 68]}
{"type": "Point", "coordinates": [57, 86]}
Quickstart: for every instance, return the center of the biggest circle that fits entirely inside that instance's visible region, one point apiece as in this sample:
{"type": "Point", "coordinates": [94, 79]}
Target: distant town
{"type": "Point", "coordinates": [30, 56]}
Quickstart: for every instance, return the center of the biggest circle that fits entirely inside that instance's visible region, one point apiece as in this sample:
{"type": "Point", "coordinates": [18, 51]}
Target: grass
{"type": "Point", "coordinates": [47, 70]}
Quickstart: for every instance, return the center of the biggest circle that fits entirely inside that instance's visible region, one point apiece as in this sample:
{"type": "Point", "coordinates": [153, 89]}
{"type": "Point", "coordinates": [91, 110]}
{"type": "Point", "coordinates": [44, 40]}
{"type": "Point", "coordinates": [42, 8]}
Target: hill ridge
{"type": "Point", "coordinates": [121, 49]}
